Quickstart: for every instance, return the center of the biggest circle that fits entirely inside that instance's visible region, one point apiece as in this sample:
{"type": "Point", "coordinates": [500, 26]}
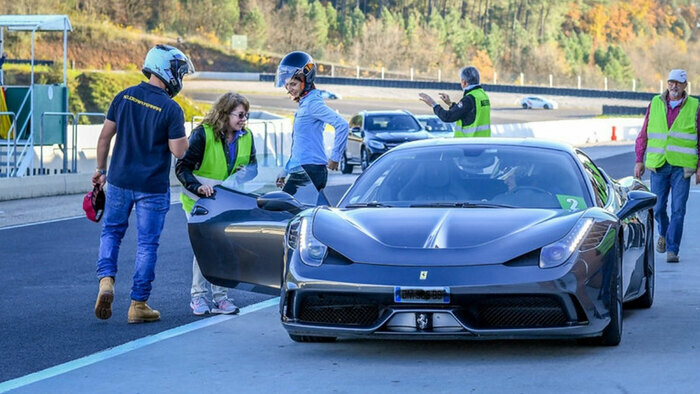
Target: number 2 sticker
{"type": "Point", "coordinates": [571, 203]}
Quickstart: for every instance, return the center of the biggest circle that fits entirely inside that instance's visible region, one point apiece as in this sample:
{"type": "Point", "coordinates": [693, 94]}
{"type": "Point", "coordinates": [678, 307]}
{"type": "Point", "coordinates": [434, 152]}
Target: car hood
{"type": "Point", "coordinates": [402, 136]}
{"type": "Point", "coordinates": [439, 236]}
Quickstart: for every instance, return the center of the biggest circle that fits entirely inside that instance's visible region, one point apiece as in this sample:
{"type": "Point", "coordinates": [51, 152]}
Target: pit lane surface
{"type": "Point", "coordinates": [48, 290]}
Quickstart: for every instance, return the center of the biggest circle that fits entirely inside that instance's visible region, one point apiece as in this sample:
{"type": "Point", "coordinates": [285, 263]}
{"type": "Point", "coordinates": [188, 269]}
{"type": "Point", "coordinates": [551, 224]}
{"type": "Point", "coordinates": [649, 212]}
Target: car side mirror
{"type": "Point", "coordinates": [355, 130]}
{"type": "Point", "coordinates": [279, 201]}
{"type": "Point", "coordinates": [637, 200]}
{"type": "Point", "coordinates": [429, 128]}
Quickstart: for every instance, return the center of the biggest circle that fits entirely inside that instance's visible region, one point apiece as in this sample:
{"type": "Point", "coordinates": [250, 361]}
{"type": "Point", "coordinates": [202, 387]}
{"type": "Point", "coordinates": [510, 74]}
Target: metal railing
{"type": "Point", "coordinates": [66, 115]}
{"type": "Point", "coordinates": [75, 134]}
{"type": "Point", "coordinates": [278, 147]}
{"type": "Point", "coordinates": [12, 142]}
{"type": "Point", "coordinates": [13, 125]}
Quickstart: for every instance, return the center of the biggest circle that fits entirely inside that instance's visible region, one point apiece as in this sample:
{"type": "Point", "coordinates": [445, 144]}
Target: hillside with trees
{"type": "Point", "coordinates": [622, 41]}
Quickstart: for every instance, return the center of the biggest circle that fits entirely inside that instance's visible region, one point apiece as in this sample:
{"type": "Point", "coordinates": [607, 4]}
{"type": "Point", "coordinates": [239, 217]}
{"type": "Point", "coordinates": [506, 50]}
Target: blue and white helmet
{"type": "Point", "coordinates": [169, 64]}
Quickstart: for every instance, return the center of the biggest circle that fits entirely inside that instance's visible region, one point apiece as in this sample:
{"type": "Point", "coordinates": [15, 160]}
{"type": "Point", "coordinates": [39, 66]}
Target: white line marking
{"type": "Point", "coordinates": [127, 347]}
{"type": "Point", "coordinates": [42, 222]}
{"type": "Point", "coordinates": [54, 220]}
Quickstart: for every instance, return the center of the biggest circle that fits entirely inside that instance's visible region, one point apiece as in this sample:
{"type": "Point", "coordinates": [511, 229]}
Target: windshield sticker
{"type": "Point", "coordinates": [571, 203]}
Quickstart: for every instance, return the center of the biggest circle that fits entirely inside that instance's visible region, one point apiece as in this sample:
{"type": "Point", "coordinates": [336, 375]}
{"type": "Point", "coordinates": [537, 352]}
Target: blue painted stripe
{"type": "Point", "coordinates": [127, 347]}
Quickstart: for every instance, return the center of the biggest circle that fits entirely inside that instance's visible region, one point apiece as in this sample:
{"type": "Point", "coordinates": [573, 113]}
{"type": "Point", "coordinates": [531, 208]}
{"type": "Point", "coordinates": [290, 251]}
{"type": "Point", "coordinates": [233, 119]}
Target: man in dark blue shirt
{"type": "Point", "coordinates": [148, 126]}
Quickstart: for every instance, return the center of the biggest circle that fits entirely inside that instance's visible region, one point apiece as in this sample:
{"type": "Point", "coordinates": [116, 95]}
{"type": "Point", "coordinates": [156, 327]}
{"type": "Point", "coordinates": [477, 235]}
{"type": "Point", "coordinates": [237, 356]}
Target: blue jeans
{"type": "Point", "coordinates": [669, 180]}
{"type": "Point", "coordinates": [151, 209]}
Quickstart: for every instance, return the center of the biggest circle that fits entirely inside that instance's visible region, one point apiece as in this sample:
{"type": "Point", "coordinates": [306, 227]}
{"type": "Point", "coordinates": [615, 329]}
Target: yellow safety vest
{"type": "Point", "coordinates": [214, 167]}
{"type": "Point", "coordinates": [678, 145]}
{"type": "Point", "coordinates": [481, 127]}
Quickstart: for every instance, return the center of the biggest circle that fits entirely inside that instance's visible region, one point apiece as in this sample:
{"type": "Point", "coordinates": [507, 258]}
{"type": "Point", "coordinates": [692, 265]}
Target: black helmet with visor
{"type": "Point", "coordinates": [296, 64]}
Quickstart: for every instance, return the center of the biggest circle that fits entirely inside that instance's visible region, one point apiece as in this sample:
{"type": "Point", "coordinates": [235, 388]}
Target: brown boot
{"type": "Point", "coordinates": [139, 312]}
{"type": "Point", "coordinates": [105, 296]}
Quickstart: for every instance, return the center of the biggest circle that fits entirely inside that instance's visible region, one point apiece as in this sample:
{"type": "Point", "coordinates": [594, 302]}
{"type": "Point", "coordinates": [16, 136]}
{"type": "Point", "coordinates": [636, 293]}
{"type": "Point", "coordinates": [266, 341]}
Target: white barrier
{"type": "Point", "coordinates": [279, 137]}
{"type": "Point", "coordinates": [575, 132]}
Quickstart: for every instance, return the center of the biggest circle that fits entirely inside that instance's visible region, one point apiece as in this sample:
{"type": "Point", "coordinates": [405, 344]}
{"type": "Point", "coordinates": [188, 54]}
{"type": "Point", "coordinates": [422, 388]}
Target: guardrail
{"type": "Point", "coordinates": [535, 90]}
{"type": "Point", "coordinates": [623, 110]}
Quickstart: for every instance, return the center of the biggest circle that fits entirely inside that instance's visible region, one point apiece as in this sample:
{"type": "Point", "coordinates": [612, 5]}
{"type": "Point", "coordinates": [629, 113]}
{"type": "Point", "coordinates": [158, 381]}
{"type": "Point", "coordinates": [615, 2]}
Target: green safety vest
{"type": "Point", "coordinates": [214, 167]}
{"type": "Point", "coordinates": [481, 127]}
{"type": "Point", "coordinates": [678, 145]}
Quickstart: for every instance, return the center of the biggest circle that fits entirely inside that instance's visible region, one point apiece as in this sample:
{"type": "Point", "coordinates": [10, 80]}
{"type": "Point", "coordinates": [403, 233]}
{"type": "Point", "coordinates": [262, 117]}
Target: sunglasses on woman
{"type": "Point", "coordinates": [240, 115]}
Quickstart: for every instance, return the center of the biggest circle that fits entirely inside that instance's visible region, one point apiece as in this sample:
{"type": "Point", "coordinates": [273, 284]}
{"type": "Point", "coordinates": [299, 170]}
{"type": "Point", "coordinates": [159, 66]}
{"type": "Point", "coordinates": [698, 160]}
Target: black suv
{"type": "Point", "coordinates": [375, 132]}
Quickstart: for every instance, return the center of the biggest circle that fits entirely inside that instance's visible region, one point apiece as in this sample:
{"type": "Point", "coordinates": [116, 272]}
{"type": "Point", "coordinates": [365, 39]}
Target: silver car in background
{"type": "Point", "coordinates": [436, 127]}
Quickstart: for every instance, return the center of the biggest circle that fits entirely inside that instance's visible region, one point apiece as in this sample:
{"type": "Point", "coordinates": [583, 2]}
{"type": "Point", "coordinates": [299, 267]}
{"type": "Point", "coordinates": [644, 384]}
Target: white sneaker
{"type": "Point", "coordinates": [224, 306]}
{"type": "Point", "coordinates": [199, 306]}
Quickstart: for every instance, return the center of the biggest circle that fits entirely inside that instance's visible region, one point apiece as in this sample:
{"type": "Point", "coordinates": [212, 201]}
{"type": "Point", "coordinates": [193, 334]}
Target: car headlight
{"type": "Point", "coordinates": [376, 144]}
{"type": "Point", "coordinates": [311, 250]}
{"type": "Point", "coordinates": [556, 254]}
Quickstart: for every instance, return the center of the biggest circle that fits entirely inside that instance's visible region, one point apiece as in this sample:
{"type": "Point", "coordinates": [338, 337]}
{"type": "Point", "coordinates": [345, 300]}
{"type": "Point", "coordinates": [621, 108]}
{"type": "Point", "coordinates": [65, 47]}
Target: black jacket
{"type": "Point", "coordinates": [465, 109]}
{"type": "Point", "coordinates": [193, 159]}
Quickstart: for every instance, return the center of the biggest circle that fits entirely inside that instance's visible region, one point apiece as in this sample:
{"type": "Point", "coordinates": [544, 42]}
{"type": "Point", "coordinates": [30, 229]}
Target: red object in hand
{"type": "Point", "coordinates": [94, 204]}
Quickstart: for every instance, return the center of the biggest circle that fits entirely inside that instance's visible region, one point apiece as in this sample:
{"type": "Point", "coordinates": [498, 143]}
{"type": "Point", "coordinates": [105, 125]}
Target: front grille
{"type": "Point", "coordinates": [517, 312]}
{"type": "Point", "coordinates": [338, 310]}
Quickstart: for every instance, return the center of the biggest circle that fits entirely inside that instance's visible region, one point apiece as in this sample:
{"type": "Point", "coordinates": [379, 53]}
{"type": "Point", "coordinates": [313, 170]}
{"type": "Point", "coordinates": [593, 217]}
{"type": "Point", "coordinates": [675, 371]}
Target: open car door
{"type": "Point", "coordinates": [238, 234]}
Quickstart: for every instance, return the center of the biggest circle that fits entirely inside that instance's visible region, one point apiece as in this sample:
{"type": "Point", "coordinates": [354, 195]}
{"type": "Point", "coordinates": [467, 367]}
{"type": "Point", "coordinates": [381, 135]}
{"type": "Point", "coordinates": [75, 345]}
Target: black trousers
{"type": "Point", "coordinates": [317, 173]}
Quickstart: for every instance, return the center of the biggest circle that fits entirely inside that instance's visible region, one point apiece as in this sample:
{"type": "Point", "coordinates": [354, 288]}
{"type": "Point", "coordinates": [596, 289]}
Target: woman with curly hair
{"type": "Point", "coordinates": [219, 147]}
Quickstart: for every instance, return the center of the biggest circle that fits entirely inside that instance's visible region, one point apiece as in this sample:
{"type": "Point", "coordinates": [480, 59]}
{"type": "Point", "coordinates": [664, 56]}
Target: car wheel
{"type": "Point", "coordinates": [311, 339]}
{"type": "Point", "coordinates": [345, 168]}
{"type": "Point", "coordinates": [546, 106]}
{"type": "Point", "coordinates": [612, 334]}
{"type": "Point", "coordinates": [364, 159]}
{"type": "Point", "coordinates": [525, 106]}
{"type": "Point", "coordinates": [647, 300]}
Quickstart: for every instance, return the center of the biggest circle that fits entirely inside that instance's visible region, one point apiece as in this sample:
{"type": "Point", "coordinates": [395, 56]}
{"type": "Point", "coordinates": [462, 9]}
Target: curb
{"type": "Point", "coordinates": [44, 186]}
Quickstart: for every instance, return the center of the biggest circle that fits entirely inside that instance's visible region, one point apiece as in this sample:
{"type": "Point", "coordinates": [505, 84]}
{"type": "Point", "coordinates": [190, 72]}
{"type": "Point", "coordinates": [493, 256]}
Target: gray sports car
{"type": "Point", "coordinates": [445, 238]}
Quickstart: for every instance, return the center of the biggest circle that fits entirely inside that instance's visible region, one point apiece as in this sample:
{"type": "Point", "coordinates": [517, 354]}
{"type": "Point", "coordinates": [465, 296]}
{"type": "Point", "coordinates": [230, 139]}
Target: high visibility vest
{"type": "Point", "coordinates": [678, 145]}
{"type": "Point", "coordinates": [214, 167]}
{"type": "Point", "coordinates": [481, 127]}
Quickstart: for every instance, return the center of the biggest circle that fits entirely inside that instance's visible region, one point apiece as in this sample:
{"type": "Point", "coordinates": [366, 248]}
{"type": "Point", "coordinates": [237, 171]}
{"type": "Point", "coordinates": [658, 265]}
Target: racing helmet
{"type": "Point", "coordinates": [296, 63]}
{"type": "Point", "coordinates": [169, 64]}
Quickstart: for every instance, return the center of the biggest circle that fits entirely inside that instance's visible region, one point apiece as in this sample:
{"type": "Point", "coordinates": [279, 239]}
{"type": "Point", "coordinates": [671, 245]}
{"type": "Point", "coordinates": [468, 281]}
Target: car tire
{"type": "Point", "coordinates": [364, 158]}
{"type": "Point", "coordinates": [547, 106]}
{"type": "Point", "coordinates": [525, 106]}
{"type": "Point", "coordinates": [612, 334]}
{"type": "Point", "coordinates": [311, 339]}
{"type": "Point", "coordinates": [647, 300]}
{"type": "Point", "coordinates": [344, 167]}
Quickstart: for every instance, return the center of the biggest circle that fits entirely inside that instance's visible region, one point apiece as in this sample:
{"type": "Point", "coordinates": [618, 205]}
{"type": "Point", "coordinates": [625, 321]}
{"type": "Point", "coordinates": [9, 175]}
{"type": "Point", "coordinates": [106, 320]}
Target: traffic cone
{"type": "Point", "coordinates": [613, 137]}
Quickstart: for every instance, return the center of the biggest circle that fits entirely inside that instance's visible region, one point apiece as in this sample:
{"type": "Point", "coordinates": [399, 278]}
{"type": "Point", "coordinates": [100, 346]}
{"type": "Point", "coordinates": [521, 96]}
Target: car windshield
{"type": "Point", "coordinates": [391, 123]}
{"type": "Point", "coordinates": [472, 176]}
{"type": "Point", "coordinates": [436, 125]}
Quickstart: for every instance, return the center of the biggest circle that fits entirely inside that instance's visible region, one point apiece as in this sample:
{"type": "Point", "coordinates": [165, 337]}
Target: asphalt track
{"type": "Point", "coordinates": [251, 353]}
{"type": "Point", "coordinates": [48, 290]}
{"type": "Point", "coordinates": [48, 285]}
{"type": "Point", "coordinates": [502, 114]}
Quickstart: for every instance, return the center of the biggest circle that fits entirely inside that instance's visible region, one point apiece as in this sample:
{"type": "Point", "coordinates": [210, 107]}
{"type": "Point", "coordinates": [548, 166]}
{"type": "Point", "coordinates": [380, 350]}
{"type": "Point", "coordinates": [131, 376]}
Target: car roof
{"type": "Point", "coordinates": [387, 112]}
{"type": "Point", "coordinates": [519, 142]}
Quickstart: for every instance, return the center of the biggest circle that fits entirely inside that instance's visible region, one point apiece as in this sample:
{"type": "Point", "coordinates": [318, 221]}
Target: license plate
{"type": "Point", "coordinates": [422, 295]}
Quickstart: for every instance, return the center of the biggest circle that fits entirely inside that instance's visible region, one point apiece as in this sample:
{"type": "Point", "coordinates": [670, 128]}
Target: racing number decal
{"type": "Point", "coordinates": [571, 203]}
